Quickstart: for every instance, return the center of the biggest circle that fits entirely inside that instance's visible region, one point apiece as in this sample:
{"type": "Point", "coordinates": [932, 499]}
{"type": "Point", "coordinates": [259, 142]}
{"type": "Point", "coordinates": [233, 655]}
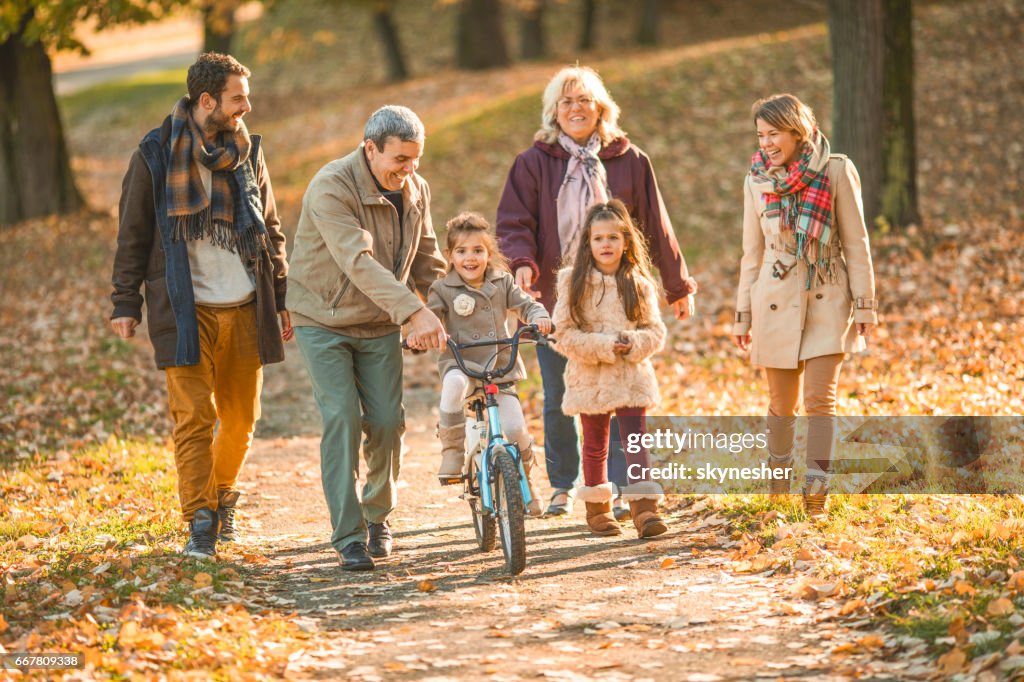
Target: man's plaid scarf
{"type": "Point", "coordinates": [803, 201]}
{"type": "Point", "coordinates": [231, 217]}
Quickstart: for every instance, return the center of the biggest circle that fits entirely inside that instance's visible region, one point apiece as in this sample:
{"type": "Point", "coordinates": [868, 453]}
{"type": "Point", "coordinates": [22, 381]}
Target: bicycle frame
{"type": "Point", "coordinates": [496, 437]}
{"type": "Point", "coordinates": [494, 432]}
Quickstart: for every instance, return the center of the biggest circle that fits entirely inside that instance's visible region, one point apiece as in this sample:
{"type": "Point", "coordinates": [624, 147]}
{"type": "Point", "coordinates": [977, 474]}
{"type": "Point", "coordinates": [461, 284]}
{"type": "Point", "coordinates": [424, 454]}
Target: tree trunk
{"type": "Point", "coordinates": [218, 25]}
{"type": "Point", "coordinates": [531, 32]}
{"type": "Point", "coordinates": [857, 35]}
{"type": "Point", "coordinates": [899, 176]}
{"type": "Point", "coordinates": [480, 35]}
{"type": "Point", "coordinates": [35, 171]}
{"type": "Point", "coordinates": [587, 24]}
{"type": "Point", "coordinates": [647, 29]}
{"type": "Point", "coordinates": [384, 24]}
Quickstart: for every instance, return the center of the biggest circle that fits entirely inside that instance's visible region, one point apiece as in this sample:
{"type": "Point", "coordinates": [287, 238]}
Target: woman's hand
{"type": "Point", "coordinates": [864, 329]}
{"type": "Point", "coordinates": [544, 326]}
{"type": "Point", "coordinates": [742, 341]}
{"type": "Point", "coordinates": [524, 280]}
{"type": "Point", "coordinates": [684, 308]}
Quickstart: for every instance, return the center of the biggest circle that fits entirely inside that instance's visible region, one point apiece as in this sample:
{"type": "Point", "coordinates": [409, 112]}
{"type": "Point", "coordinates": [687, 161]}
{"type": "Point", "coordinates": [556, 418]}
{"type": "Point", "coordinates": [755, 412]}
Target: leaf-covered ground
{"type": "Point", "coordinates": [904, 586]}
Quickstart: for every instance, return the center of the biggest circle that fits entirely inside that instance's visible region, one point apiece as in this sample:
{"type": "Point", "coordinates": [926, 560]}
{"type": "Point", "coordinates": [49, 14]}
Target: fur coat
{"type": "Point", "coordinates": [597, 380]}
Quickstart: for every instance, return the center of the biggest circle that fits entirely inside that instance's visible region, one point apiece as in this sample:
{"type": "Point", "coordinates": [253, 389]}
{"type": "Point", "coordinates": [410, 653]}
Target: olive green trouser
{"type": "Point", "coordinates": [357, 384]}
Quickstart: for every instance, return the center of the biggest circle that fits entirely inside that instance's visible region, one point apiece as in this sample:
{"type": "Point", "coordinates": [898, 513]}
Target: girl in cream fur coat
{"type": "Point", "coordinates": [608, 326]}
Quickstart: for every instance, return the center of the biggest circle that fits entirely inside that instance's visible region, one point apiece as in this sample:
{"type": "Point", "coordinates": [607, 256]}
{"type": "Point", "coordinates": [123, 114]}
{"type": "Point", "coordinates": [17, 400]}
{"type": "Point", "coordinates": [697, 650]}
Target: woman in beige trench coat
{"type": "Point", "coordinates": [807, 288]}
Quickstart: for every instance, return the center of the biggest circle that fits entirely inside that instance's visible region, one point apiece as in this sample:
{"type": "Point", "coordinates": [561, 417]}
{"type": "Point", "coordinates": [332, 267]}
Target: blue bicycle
{"type": "Point", "coordinates": [495, 481]}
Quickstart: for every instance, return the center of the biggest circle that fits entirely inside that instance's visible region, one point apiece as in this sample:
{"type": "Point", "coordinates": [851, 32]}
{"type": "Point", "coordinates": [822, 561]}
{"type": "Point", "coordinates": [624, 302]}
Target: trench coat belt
{"type": "Point", "coordinates": [833, 250]}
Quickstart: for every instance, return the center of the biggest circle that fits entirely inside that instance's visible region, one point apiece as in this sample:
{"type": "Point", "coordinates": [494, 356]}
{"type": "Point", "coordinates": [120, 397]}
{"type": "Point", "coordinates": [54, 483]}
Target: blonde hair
{"type": "Point", "coordinates": [466, 224]}
{"type": "Point", "coordinates": [587, 80]}
{"type": "Point", "coordinates": [786, 113]}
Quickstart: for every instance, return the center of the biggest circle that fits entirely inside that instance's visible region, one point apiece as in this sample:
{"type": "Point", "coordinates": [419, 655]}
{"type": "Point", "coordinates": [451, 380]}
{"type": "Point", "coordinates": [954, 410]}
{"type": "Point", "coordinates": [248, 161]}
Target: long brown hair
{"type": "Point", "coordinates": [634, 266]}
{"type": "Point", "coordinates": [466, 224]}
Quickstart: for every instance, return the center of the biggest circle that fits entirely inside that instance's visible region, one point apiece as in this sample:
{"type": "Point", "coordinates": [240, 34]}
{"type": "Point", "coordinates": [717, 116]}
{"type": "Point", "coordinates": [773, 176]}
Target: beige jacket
{"type": "Point", "coordinates": [487, 318]}
{"type": "Point", "coordinates": [597, 380]}
{"type": "Point", "coordinates": [787, 322]}
{"type": "Point", "coordinates": [353, 269]}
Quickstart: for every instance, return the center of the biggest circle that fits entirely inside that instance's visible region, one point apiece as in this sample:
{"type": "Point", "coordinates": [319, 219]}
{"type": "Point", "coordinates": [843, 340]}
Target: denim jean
{"type": "Point", "coordinates": [561, 443]}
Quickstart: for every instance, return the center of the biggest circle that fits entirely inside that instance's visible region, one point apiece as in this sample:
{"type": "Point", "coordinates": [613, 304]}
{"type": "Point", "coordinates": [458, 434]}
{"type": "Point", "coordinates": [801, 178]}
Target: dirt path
{"type": "Point", "coordinates": [611, 608]}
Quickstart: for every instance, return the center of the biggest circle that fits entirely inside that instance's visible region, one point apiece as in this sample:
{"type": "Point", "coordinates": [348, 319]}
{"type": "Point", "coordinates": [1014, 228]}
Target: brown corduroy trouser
{"type": "Point", "coordinates": [222, 392]}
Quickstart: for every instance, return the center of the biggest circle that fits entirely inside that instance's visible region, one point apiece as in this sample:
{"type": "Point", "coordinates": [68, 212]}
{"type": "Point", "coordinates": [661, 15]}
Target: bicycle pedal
{"type": "Point", "coordinates": [450, 480]}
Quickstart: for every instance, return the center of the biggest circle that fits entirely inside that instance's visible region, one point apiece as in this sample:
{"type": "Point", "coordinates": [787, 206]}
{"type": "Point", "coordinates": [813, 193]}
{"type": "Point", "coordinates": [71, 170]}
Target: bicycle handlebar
{"type": "Point", "coordinates": [457, 348]}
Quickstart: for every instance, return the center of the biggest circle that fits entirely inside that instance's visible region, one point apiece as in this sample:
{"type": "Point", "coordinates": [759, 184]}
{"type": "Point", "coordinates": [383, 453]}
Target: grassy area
{"type": "Point", "coordinates": [89, 548]}
{"type": "Point", "coordinates": [944, 572]}
{"type": "Point", "coordinates": [125, 102]}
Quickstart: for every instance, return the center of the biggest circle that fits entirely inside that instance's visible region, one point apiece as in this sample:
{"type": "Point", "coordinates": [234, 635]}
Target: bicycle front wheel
{"type": "Point", "coordinates": [508, 504]}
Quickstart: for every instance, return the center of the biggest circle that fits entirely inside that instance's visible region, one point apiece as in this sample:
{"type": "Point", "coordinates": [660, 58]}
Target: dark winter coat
{"type": "Point", "coordinates": [147, 254]}
{"type": "Point", "coordinates": [527, 223]}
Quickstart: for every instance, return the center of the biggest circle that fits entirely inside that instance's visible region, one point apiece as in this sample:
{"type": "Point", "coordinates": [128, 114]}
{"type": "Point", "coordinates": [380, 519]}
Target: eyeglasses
{"type": "Point", "coordinates": [585, 102]}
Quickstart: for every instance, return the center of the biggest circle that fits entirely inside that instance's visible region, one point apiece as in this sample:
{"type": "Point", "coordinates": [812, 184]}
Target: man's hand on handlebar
{"type": "Point", "coordinates": [427, 331]}
{"type": "Point", "coordinates": [544, 326]}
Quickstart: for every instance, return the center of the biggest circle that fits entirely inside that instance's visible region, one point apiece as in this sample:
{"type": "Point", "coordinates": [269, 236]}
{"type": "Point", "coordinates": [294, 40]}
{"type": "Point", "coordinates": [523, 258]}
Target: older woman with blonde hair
{"type": "Point", "coordinates": [807, 286]}
{"type": "Point", "coordinates": [580, 156]}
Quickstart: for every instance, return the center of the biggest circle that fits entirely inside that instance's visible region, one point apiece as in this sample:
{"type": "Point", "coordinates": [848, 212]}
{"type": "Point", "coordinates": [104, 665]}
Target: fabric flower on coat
{"type": "Point", "coordinates": [464, 305]}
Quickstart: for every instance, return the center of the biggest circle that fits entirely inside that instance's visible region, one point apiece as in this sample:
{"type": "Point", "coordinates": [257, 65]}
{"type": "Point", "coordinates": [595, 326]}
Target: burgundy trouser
{"type": "Point", "coordinates": [595, 444]}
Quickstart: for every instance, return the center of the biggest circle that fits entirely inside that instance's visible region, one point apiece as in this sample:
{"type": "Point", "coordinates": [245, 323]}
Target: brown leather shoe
{"type": "Point", "coordinates": [815, 496]}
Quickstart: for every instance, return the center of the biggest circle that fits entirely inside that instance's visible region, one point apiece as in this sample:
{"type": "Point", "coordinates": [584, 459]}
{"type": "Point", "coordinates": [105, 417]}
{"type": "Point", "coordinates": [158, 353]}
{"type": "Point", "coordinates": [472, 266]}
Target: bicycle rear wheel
{"type": "Point", "coordinates": [484, 525]}
{"type": "Point", "coordinates": [508, 504]}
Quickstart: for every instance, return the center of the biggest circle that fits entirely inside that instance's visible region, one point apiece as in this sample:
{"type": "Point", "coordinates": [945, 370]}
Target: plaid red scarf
{"type": "Point", "coordinates": [231, 217]}
{"type": "Point", "coordinates": [802, 200]}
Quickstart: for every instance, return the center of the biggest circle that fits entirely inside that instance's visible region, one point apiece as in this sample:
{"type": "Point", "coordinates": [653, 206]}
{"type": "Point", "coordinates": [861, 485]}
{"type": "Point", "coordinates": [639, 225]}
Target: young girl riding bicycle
{"type": "Point", "coordinates": [608, 326]}
{"type": "Point", "coordinates": [473, 302]}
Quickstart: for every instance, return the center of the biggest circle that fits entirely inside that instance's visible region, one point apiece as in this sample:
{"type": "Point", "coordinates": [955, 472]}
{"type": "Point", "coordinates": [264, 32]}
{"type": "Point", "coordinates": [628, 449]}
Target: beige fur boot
{"type": "Point", "coordinates": [598, 499]}
{"type": "Point", "coordinates": [453, 453]}
{"type": "Point", "coordinates": [643, 498]}
{"type": "Point", "coordinates": [529, 462]}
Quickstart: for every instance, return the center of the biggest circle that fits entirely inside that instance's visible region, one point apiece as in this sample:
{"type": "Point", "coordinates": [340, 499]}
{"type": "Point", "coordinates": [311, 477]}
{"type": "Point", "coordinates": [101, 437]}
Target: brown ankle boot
{"type": "Point", "coordinates": [643, 498]}
{"type": "Point", "coordinates": [598, 499]}
{"type": "Point", "coordinates": [778, 488]}
{"type": "Point", "coordinates": [645, 518]}
{"type": "Point", "coordinates": [529, 461]}
{"type": "Point", "coordinates": [453, 453]}
{"type": "Point", "coordinates": [815, 496]}
{"type": "Point", "coordinates": [600, 519]}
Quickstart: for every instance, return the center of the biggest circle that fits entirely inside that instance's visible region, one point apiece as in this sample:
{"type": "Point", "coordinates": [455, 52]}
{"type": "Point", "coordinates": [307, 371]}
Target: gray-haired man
{"type": "Point", "coordinates": [364, 237]}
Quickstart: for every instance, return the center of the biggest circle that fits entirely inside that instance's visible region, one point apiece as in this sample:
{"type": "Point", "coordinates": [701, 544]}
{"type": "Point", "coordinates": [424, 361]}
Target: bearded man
{"type": "Point", "coordinates": [199, 228]}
